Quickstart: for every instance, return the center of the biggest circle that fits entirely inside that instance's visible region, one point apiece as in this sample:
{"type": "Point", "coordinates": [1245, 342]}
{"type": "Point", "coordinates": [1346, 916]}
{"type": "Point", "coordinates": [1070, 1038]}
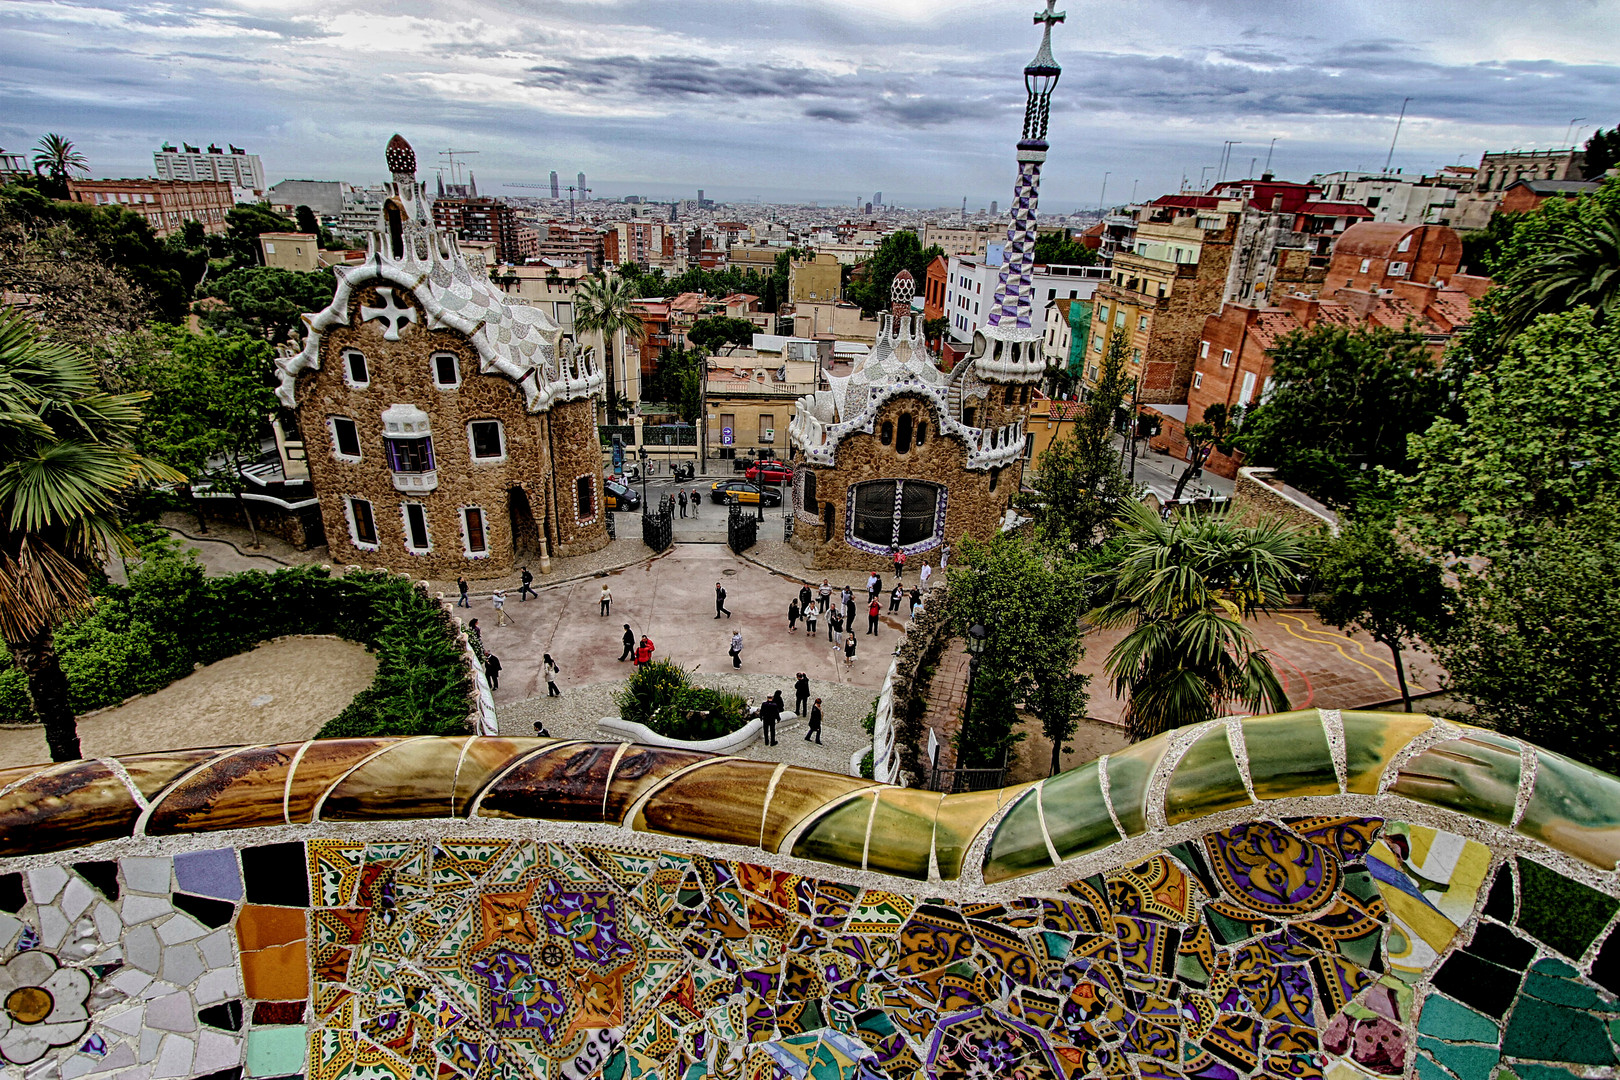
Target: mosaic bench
{"type": "Point", "coordinates": [1315, 894]}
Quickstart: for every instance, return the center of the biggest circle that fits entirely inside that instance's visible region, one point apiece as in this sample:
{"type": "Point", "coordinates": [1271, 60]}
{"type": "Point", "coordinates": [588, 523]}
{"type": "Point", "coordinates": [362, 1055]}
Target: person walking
{"type": "Point", "coordinates": [793, 615]}
{"type": "Point", "coordinates": [680, 500]}
{"type": "Point", "coordinates": [629, 644]}
{"type": "Point", "coordinates": [697, 501]}
{"type": "Point", "coordinates": [526, 586]}
{"type": "Point", "coordinates": [498, 598]}
{"type": "Point", "coordinates": [849, 615]}
{"type": "Point", "coordinates": [644, 651]}
{"type": "Point", "coordinates": [815, 723]}
{"type": "Point", "coordinates": [835, 625]}
{"type": "Point", "coordinates": [801, 693]}
{"type": "Point", "coordinates": [872, 614]}
{"type": "Point", "coordinates": [927, 572]}
{"type": "Point", "coordinates": [736, 648]}
{"type": "Point", "coordinates": [825, 592]}
{"type": "Point", "coordinates": [604, 602]}
{"type": "Point", "coordinates": [549, 666]}
{"type": "Point", "coordinates": [492, 670]}
{"type": "Point", "coordinates": [895, 597]}
{"type": "Point", "coordinates": [899, 563]}
{"type": "Point", "coordinates": [810, 619]}
{"type": "Point", "coordinates": [944, 557]}
{"type": "Point", "coordinates": [849, 649]}
{"type": "Point", "coordinates": [806, 597]}
{"type": "Point", "coordinates": [770, 711]}
{"type": "Point", "coordinates": [462, 601]}
{"type": "Point", "coordinates": [916, 598]}
{"type": "Point", "coordinates": [720, 601]}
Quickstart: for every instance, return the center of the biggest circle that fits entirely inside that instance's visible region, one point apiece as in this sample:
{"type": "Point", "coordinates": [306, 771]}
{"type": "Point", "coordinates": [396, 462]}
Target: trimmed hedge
{"type": "Point", "coordinates": [170, 618]}
{"type": "Point", "coordinates": [661, 696]}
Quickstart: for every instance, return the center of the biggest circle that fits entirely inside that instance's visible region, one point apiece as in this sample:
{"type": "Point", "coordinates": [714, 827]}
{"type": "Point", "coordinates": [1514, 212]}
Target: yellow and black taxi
{"type": "Point", "coordinates": [620, 496]}
{"type": "Point", "coordinates": [742, 491]}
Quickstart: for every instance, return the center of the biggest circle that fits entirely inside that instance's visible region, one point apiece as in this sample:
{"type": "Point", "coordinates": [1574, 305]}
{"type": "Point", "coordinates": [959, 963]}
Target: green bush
{"type": "Point", "coordinates": [661, 696]}
{"type": "Point", "coordinates": [16, 707]}
{"type": "Point", "coordinates": [170, 618]}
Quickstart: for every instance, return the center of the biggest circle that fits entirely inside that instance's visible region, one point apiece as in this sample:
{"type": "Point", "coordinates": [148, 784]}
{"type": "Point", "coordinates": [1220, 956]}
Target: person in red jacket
{"type": "Point", "coordinates": [872, 614]}
{"type": "Point", "coordinates": [644, 651]}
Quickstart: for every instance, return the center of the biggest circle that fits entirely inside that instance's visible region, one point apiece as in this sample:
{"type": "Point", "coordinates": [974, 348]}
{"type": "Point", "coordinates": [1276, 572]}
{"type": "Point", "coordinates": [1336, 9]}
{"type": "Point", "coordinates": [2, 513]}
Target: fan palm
{"type": "Point", "coordinates": [1183, 588]}
{"type": "Point", "coordinates": [65, 457]}
{"type": "Point", "coordinates": [55, 157]}
{"type": "Point", "coordinates": [1579, 264]}
{"type": "Point", "coordinates": [605, 306]}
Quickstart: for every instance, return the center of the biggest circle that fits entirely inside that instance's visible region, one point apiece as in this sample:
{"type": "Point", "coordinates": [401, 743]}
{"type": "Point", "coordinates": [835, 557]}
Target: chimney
{"type": "Point", "coordinates": [1266, 178]}
{"type": "Point", "coordinates": [1306, 310]}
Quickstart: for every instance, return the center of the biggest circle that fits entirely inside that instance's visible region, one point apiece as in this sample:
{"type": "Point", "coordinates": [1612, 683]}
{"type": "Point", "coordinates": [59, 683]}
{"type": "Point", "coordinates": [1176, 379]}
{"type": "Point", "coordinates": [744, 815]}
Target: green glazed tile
{"type": "Point", "coordinates": [1549, 1032]}
{"type": "Point", "coordinates": [1130, 773]}
{"type": "Point", "coordinates": [1018, 846]}
{"type": "Point", "coordinates": [1467, 1062]}
{"type": "Point", "coordinates": [1289, 755]}
{"type": "Point", "coordinates": [1564, 992]}
{"type": "Point", "coordinates": [1371, 740]}
{"type": "Point", "coordinates": [960, 820]}
{"type": "Point", "coordinates": [1456, 1023]}
{"type": "Point", "coordinates": [1537, 1072]}
{"type": "Point", "coordinates": [276, 1051]}
{"type": "Point", "coordinates": [1559, 912]}
{"type": "Point", "coordinates": [1575, 809]}
{"type": "Point", "coordinates": [1476, 775]}
{"type": "Point", "coordinates": [838, 836]}
{"type": "Point", "coordinates": [1548, 965]}
{"type": "Point", "coordinates": [1428, 1070]}
{"type": "Point", "coordinates": [1206, 779]}
{"type": "Point", "coordinates": [903, 832]}
{"type": "Point", "coordinates": [1076, 815]}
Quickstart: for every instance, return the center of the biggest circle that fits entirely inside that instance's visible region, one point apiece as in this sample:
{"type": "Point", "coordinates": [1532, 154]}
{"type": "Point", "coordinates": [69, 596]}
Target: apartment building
{"type": "Point", "coordinates": [974, 240]}
{"type": "Point", "coordinates": [817, 278]}
{"type": "Point", "coordinates": [188, 163]}
{"type": "Point", "coordinates": [488, 219]}
{"type": "Point", "coordinates": [166, 204]}
{"type": "Point", "coordinates": [647, 243]}
{"type": "Point", "coordinates": [970, 285]}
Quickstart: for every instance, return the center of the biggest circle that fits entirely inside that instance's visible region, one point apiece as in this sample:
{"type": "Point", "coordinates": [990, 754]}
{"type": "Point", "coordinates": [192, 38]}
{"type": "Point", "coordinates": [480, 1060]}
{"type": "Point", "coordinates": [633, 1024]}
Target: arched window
{"type": "Point", "coordinates": [807, 497]}
{"type": "Point", "coordinates": [886, 433]}
{"type": "Point", "coordinates": [885, 514]}
{"type": "Point", "coordinates": [396, 229]}
{"type": "Point", "coordinates": [995, 478]}
{"type": "Point", "coordinates": [1007, 399]}
{"type": "Point", "coordinates": [922, 432]}
{"type": "Point", "coordinates": [902, 436]}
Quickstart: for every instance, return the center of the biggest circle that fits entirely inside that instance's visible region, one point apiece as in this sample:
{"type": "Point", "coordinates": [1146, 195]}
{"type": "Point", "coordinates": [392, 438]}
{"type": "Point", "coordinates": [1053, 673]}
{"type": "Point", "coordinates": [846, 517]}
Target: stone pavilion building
{"type": "Point", "coordinates": [450, 429]}
{"type": "Point", "coordinates": [901, 455]}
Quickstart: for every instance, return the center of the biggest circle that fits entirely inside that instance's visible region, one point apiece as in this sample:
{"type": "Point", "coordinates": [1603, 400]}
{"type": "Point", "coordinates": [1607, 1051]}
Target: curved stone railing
{"type": "Point", "coordinates": [1308, 895]}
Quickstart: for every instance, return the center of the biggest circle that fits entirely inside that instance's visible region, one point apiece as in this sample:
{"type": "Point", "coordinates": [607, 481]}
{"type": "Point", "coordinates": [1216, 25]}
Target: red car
{"type": "Point", "coordinates": [772, 472]}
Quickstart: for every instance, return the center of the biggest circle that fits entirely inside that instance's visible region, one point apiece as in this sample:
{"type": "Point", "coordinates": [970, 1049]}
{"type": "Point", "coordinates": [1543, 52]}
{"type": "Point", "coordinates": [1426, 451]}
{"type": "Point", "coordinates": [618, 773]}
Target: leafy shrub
{"type": "Point", "coordinates": [866, 766]}
{"type": "Point", "coordinates": [661, 696]}
{"type": "Point", "coordinates": [16, 707]}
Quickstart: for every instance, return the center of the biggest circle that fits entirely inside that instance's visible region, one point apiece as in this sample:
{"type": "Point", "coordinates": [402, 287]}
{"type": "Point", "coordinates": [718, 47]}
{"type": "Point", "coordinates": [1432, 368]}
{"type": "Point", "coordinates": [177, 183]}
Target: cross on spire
{"type": "Point", "coordinates": [1049, 16]}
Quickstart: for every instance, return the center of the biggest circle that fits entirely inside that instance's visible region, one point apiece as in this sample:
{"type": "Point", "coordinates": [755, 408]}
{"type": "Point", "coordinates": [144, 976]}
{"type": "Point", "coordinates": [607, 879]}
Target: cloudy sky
{"type": "Point", "coordinates": [787, 99]}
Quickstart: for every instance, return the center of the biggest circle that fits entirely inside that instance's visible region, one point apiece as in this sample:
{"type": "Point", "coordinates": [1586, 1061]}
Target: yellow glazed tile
{"type": "Point", "coordinates": [961, 818]}
{"type": "Point", "coordinates": [1371, 740]}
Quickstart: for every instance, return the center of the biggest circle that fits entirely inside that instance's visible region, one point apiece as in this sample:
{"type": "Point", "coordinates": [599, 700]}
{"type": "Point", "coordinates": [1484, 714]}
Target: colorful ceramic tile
{"type": "Point", "coordinates": [564, 781]}
{"type": "Point", "coordinates": [1476, 775]}
{"type": "Point", "coordinates": [1371, 742]}
{"type": "Point", "coordinates": [1206, 779]}
{"type": "Point", "coordinates": [238, 790]}
{"type": "Point", "coordinates": [960, 819]}
{"type": "Point", "coordinates": [1575, 809]}
{"type": "Point", "coordinates": [1289, 755]}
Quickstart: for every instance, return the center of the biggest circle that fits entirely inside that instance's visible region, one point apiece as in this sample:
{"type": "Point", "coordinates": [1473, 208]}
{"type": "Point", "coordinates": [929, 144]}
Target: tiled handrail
{"type": "Point", "coordinates": [1225, 765]}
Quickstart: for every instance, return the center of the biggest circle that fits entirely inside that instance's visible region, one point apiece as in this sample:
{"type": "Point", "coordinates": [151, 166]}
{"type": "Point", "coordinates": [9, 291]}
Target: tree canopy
{"type": "Point", "coordinates": [1342, 404]}
{"type": "Point", "coordinates": [1602, 153]}
{"type": "Point", "coordinates": [266, 302]}
{"type": "Point", "coordinates": [721, 331]}
{"type": "Point", "coordinates": [896, 252]}
{"type": "Point", "coordinates": [1058, 249]}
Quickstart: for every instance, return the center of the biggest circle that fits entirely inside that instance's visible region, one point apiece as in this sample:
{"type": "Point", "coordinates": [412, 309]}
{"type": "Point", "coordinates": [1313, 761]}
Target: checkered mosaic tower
{"type": "Point", "coordinates": [1011, 318]}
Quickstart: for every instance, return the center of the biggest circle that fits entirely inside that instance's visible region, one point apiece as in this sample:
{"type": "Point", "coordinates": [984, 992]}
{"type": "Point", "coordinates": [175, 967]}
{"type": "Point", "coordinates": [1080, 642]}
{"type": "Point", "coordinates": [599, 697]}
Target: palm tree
{"type": "Point", "coordinates": [604, 306]}
{"type": "Point", "coordinates": [55, 157]}
{"type": "Point", "coordinates": [1184, 588]}
{"type": "Point", "coordinates": [1579, 264]}
{"type": "Point", "coordinates": [65, 457]}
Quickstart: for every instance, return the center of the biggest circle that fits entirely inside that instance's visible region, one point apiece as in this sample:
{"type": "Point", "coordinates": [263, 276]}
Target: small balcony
{"type": "Point", "coordinates": [416, 481]}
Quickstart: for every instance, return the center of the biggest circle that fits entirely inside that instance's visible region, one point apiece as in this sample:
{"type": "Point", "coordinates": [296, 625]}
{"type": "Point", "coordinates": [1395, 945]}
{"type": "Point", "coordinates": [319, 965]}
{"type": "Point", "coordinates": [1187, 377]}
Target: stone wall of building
{"type": "Point", "coordinates": [400, 372]}
{"type": "Point", "coordinates": [975, 500]}
{"type": "Point", "coordinates": [576, 452]}
{"type": "Point", "coordinates": [302, 528]}
{"type": "Point", "coordinates": [1312, 895]}
{"type": "Point", "coordinates": [1257, 495]}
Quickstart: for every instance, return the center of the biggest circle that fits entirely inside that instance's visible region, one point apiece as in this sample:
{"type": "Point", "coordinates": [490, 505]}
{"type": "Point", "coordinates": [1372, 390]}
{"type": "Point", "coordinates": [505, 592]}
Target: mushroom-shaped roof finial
{"type": "Point", "coordinates": [401, 158]}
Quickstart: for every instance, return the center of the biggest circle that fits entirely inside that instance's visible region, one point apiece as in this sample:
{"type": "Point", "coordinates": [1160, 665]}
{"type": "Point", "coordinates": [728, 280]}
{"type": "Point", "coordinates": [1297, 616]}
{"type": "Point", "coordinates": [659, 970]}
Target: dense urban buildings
{"type": "Point", "coordinates": [166, 204]}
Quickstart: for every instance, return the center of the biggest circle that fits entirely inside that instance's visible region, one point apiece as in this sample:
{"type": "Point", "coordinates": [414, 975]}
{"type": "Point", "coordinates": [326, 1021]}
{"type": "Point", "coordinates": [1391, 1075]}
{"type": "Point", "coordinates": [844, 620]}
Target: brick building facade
{"type": "Point", "coordinates": [491, 221]}
{"type": "Point", "coordinates": [166, 204]}
{"type": "Point", "coordinates": [449, 430]}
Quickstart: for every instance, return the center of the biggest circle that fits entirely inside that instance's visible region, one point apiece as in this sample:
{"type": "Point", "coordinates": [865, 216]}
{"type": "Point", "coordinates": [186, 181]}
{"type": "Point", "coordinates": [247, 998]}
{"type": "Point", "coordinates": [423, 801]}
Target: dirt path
{"type": "Point", "coordinates": [280, 692]}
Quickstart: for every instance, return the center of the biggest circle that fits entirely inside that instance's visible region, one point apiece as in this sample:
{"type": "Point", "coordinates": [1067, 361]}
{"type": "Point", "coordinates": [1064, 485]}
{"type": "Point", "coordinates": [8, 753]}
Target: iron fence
{"type": "Point", "coordinates": [742, 528]}
{"type": "Point", "coordinates": [626, 433]}
{"type": "Point", "coordinates": [658, 526]}
{"type": "Point", "coordinates": [957, 780]}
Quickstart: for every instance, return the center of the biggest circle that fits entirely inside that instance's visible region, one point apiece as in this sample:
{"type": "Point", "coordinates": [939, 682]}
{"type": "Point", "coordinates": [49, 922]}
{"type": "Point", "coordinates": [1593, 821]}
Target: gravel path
{"type": "Point", "coordinates": [575, 715]}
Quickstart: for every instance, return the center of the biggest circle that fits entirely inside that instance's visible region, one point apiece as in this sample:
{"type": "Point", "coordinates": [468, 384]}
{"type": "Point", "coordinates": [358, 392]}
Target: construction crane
{"type": "Point", "coordinates": [455, 166]}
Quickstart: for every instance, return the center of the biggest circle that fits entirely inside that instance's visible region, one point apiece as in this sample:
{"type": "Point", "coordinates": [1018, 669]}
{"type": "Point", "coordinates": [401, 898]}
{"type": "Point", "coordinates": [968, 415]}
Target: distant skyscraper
{"type": "Point", "coordinates": [700, 197]}
{"type": "Point", "coordinates": [581, 185]}
{"type": "Point", "coordinates": [857, 202]}
{"type": "Point", "coordinates": [877, 200]}
{"type": "Point", "coordinates": [964, 208]}
{"type": "Point", "coordinates": [992, 208]}
{"type": "Point", "coordinates": [556, 192]}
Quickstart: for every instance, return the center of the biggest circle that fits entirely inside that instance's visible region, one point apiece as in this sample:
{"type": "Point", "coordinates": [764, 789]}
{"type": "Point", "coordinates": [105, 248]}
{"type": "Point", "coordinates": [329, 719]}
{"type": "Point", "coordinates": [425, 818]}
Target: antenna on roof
{"type": "Point", "coordinates": [1398, 120]}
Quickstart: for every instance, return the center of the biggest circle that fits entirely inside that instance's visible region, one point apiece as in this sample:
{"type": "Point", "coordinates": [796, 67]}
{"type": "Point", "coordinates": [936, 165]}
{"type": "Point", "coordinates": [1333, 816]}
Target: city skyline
{"type": "Point", "coordinates": [797, 102]}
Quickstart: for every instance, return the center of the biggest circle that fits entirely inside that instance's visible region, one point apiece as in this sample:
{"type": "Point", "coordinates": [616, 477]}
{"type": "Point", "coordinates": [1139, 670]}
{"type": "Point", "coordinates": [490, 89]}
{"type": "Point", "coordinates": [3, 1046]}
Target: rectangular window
{"type": "Point", "coordinates": [1119, 319]}
{"type": "Point", "coordinates": [1102, 313]}
{"type": "Point", "coordinates": [354, 368]}
{"type": "Point", "coordinates": [345, 438]}
{"type": "Point", "coordinates": [767, 427]}
{"type": "Point", "coordinates": [416, 530]}
{"type": "Point", "coordinates": [1141, 322]}
{"type": "Point", "coordinates": [362, 526]}
{"type": "Point", "coordinates": [472, 520]}
{"type": "Point", "coordinates": [446, 372]}
{"type": "Point", "coordinates": [1203, 349]}
{"type": "Point", "coordinates": [487, 441]}
{"type": "Point", "coordinates": [1248, 388]}
{"type": "Point", "coordinates": [1366, 265]}
{"type": "Point", "coordinates": [585, 498]}
{"type": "Point", "coordinates": [1226, 358]}
{"type": "Point", "coordinates": [410, 455]}
{"type": "Point", "coordinates": [1198, 379]}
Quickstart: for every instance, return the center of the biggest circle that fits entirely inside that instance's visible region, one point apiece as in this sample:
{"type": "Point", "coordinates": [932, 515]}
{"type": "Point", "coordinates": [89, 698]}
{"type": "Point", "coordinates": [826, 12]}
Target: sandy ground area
{"type": "Point", "coordinates": [280, 692]}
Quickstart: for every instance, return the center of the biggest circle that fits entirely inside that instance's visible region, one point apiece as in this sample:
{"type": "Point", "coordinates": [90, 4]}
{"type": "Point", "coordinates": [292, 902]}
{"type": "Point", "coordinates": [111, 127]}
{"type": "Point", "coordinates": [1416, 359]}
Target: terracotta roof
{"type": "Point", "coordinates": [1336, 209]}
{"type": "Point", "coordinates": [1269, 325]}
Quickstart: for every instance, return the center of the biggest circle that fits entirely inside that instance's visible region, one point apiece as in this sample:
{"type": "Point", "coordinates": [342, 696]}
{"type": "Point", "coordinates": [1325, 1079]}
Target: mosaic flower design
{"type": "Point", "coordinates": [42, 1005]}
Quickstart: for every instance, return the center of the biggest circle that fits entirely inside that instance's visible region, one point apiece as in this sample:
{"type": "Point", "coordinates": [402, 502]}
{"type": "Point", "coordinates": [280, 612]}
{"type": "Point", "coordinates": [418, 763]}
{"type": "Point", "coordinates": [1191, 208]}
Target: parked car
{"type": "Point", "coordinates": [725, 491]}
{"type": "Point", "coordinates": [620, 496]}
{"type": "Point", "coordinates": [772, 472]}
